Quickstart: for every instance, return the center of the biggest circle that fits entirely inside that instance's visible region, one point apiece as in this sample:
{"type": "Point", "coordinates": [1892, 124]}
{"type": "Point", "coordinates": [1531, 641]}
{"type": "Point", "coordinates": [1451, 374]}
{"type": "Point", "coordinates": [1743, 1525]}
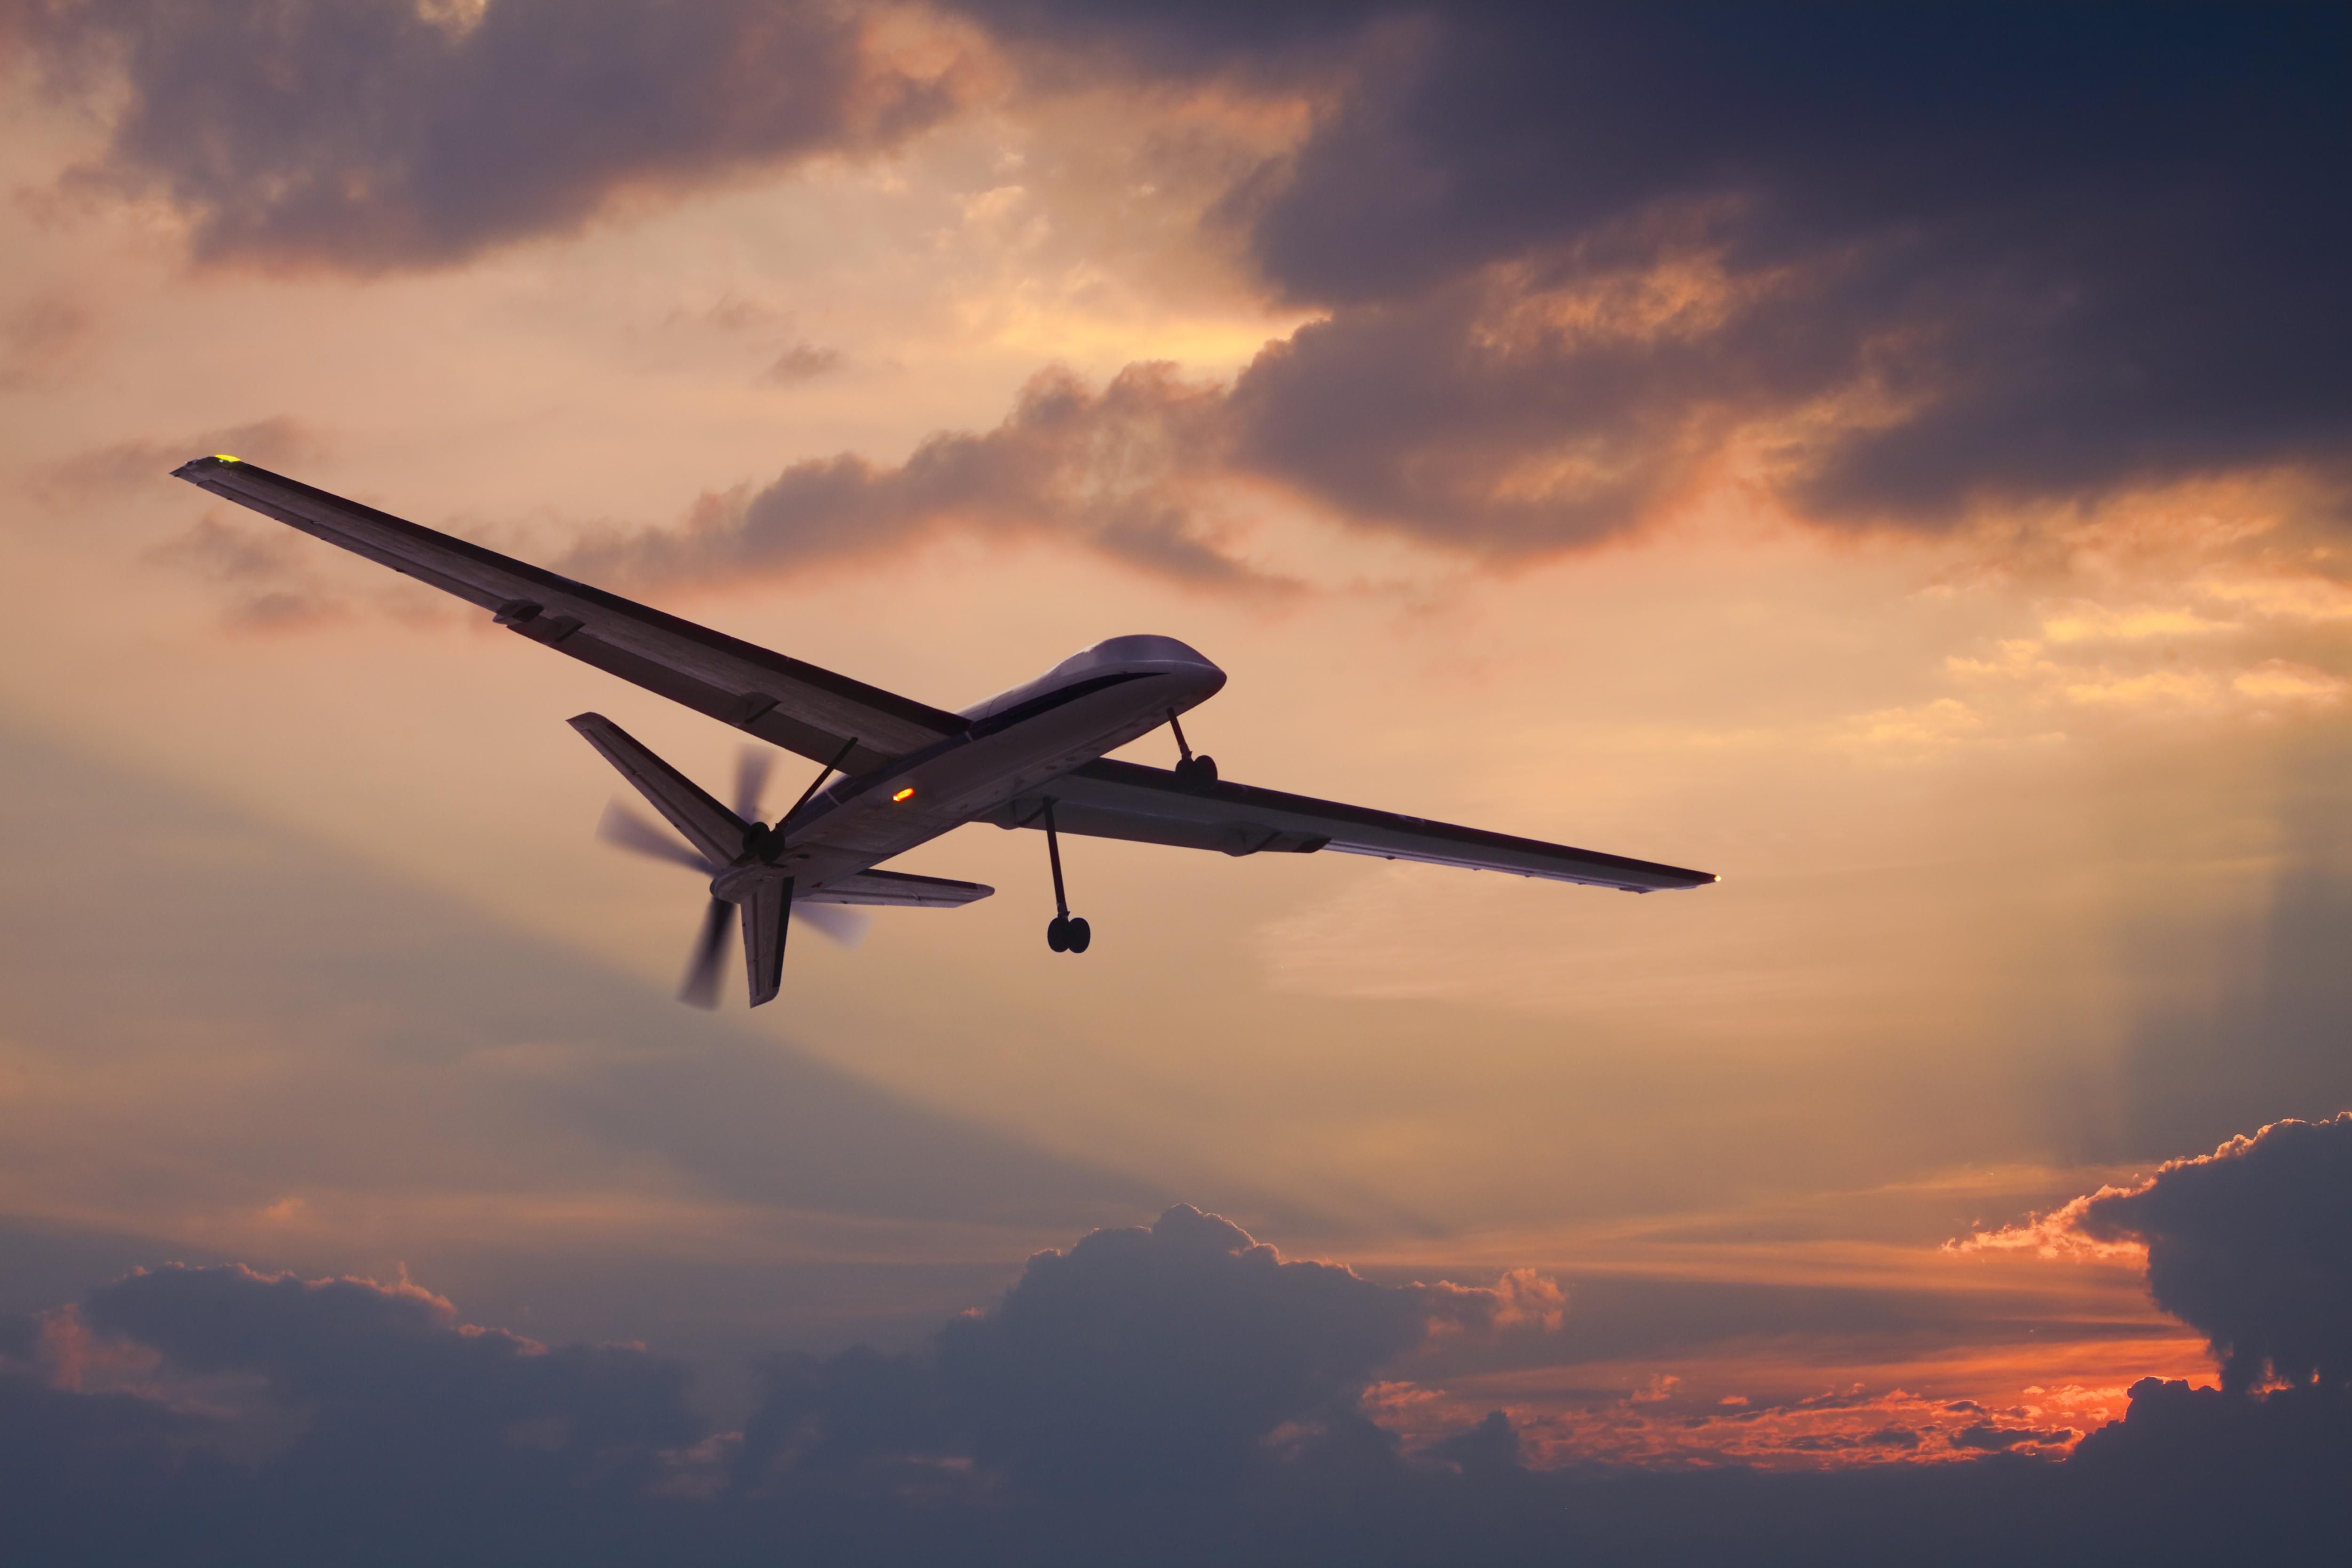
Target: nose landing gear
{"type": "Point", "coordinates": [1063, 933]}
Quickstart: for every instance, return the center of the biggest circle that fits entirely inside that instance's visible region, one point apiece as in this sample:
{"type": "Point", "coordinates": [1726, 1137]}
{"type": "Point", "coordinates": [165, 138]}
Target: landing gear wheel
{"type": "Point", "coordinates": [1057, 933]}
{"type": "Point", "coordinates": [1078, 934]}
{"type": "Point", "coordinates": [1197, 772]}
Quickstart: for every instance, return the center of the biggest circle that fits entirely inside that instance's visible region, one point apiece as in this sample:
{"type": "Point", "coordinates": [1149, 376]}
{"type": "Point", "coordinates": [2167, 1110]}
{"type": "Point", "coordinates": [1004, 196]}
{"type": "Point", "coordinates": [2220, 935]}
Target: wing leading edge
{"type": "Point", "coordinates": [825, 717]}
{"type": "Point", "coordinates": [1122, 800]}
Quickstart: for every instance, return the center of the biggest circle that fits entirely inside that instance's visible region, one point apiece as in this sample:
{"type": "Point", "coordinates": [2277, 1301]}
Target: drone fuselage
{"type": "Point", "coordinates": [1089, 704]}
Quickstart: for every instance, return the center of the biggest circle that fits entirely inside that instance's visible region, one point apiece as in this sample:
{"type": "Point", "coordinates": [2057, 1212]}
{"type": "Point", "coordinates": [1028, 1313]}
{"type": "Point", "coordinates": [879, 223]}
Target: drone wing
{"type": "Point", "coordinates": [1121, 800]}
{"type": "Point", "coordinates": [825, 717]}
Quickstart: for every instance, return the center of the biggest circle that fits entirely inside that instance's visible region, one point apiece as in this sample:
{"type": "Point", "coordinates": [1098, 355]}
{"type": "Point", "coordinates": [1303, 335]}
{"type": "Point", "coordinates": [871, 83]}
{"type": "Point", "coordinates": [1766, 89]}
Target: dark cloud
{"type": "Point", "coordinates": [379, 134]}
{"type": "Point", "coordinates": [1270, 47]}
{"type": "Point", "coordinates": [2067, 248]}
{"type": "Point", "coordinates": [384, 1371]}
{"type": "Point", "coordinates": [1162, 1357]}
{"type": "Point", "coordinates": [1894, 264]}
{"type": "Point", "coordinates": [2252, 1245]}
{"type": "Point", "coordinates": [1174, 1394]}
{"type": "Point", "coordinates": [1491, 1446]}
{"type": "Point", "coordinates": [1905, 261]}
{"type": "Point", "coordinates": [1987, 1437]}
{"type": "Point", "coordinates": [1122, 470]}
{"type": "Point", "coordinates": [1512, 412]}
{"type": "Point", "coordinates": [1145, 1360]}
{"type": "Point", "coordinates": [1889, 264]}
{"type": "Point", "coordinates": [335, 1418]}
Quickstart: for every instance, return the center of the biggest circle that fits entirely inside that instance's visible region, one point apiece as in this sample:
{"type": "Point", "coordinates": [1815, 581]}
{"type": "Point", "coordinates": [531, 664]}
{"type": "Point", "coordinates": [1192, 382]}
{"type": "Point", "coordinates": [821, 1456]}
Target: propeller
{"type": "Point", "coordinates": [629, 831]}
{"type": "Point", "coordinates": [702, 974]}
{"type": "Point", "coordinates": [751, 766]}
{"type": "Point", "coordinates": [624, 830]}
{"type": "Point", "coordinates": [843, 924]}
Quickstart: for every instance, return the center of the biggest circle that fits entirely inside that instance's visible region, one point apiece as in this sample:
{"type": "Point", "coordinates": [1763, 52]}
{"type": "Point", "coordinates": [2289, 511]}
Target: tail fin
{"type": "Point", "coordinates": [708, 826]}
{"type": "Point", "coordinates": [767, 905]}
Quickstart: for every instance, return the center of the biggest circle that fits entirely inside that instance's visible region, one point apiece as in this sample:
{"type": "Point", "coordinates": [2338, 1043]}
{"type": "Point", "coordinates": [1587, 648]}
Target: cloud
{"type": "Point", "coordinates": [1155, 1359]}
{"type": "Point", "coordinates": [1987, 1437]}
{"type": "Point", "coordinates": [1162, 1357]}
{"type": "Point", "coordinates": [387, 134]}
{"type": "Point", "coordinates": [2073, 259]}
{"type": "Point", "coordinates": [1455, 420]}
{"type": "Point", "coordinates": [390, 1367]}
{"type": "Point", "coordinates": [279, 441]}
{"type": "Point", "coordinates": [803, 362]}
{"type": "Point", "coordinates": [1896, 265]}
{"type": "Point", "coordinates": [2252, 1244]}
{"type": "Point", "coordinates": [1124, 471]}
{"type": "Point", "coordinates": [339, 1415]}
{"type": "Point", "coordinates": [1172, 1393]}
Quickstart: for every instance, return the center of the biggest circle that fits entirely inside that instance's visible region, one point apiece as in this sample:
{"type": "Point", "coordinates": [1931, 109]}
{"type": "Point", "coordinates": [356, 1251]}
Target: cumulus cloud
{"type": "Point", "coordinates": [1894, 266]}
{"type": "Point", "coordinates": [2252, 1244]}
{"type": "Point", "coordinates": [1172, 1393]}
{"type": "Point", "coordinates": [2072, 256]}
{"type": "Point", "coordinates": [1124, 471]}
{"type": "Point", "coordinates": [1165, 1355]}
{"type": "Point", "coordinates": [387, 134]}
{"type": "Point", "coordinates": [218, 1414]}
{"type": "Point", "coordinates": [1460, 419]}
{"type": "Point", "coordinates": [1146, 1359]}
{"type": "Point", "coordinates": [386, 1377]}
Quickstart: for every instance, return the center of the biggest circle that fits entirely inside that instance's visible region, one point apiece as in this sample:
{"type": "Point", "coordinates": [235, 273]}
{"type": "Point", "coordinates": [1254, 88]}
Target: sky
{"type": "Point", "coordinates": [1897, 458]}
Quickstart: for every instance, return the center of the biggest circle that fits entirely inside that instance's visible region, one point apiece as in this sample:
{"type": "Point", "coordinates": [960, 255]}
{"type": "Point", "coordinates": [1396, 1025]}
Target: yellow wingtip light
{"type": "Point", "coordinates": [907, 794]}
{"type": "Point", "coordinates": [225, 458]}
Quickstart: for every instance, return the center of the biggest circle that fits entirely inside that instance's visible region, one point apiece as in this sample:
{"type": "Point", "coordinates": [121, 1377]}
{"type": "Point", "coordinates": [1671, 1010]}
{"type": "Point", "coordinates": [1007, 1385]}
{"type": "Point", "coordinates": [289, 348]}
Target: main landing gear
{"type": "Point", "coordinates": [1064, 933]}
{"type": "Point", "coordinates": [1192, 771]}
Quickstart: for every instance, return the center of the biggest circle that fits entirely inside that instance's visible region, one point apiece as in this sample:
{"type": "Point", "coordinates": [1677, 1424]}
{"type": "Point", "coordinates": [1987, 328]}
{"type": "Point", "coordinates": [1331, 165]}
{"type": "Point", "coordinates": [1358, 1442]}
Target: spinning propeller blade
{"type": "Point", "coordinates": [701, 986]}
{"type": "Point", "coordinates": [629, 831]}
{"type": "Point", "coordinates": [845, 925]}
{"type": "Point", "coordinates": [751, 766]}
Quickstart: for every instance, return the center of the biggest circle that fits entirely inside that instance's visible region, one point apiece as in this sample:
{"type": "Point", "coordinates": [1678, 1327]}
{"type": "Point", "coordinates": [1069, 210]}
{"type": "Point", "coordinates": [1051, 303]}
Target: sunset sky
{"type": "Point", "coordinates": [1894, 458]}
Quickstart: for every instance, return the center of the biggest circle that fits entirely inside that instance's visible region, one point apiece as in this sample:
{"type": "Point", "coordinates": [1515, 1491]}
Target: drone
{"type": "Point", "coordinates": [895, 772]}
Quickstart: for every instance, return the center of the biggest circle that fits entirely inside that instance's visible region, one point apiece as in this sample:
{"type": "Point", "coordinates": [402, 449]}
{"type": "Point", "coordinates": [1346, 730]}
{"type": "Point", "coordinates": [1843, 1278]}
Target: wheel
{"type": "Point", "coordinates": [1057, 934]}
{"type": "Point", "coordinates": [1204, 770]}
{"type": "Point", "coordinates": [1080, 934]}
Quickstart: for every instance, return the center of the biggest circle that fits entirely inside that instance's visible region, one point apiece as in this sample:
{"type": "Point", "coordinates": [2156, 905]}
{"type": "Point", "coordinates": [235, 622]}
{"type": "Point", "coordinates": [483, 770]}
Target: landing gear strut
{"type": "Point", "coordinates": [1063, 933]}
{"type": "Point", "coordinates": [1192, 771]}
